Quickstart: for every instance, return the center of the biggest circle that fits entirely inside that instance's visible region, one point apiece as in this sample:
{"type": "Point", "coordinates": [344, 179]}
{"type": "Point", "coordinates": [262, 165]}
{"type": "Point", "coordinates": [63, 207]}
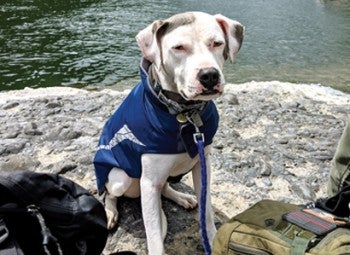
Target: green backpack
{"type": "Point", "coordinates": [263, 229]}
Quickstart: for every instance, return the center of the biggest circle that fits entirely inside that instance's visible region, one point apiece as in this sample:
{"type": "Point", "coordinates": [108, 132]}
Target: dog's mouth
{"type": "Point", "coordinates": [203, 95]}
{"type": "Point", "coordinates": [210, 92]}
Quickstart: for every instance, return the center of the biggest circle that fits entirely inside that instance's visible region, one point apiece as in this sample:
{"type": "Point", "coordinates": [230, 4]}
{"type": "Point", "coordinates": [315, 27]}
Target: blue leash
{"type": "Point", "coordinates": [199, 140]}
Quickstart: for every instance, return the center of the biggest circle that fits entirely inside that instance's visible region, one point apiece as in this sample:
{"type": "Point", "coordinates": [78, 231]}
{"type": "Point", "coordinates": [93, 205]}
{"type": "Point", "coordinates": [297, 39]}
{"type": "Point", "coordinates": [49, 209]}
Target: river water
{"type": "Point", "coordinates": [91, 42]}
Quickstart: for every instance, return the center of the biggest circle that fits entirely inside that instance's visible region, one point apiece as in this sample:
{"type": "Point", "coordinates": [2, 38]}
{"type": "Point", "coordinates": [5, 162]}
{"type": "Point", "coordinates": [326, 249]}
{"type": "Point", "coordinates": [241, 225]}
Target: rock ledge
{"type": "Point", "coordinates": [276, 140]}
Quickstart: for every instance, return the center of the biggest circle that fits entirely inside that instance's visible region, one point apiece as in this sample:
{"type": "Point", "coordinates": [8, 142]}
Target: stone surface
{"type": "Point", "coordinates": [276, 140]}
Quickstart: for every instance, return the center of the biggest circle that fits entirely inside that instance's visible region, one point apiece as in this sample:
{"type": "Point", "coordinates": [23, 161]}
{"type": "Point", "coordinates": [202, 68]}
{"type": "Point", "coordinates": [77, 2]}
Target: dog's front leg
{"type": "Point", "coordinates": [152, 215]}
{"type": "Point", "coordinates": [209, 215]}
{"type": "Point", "coordinates": [152, 181]}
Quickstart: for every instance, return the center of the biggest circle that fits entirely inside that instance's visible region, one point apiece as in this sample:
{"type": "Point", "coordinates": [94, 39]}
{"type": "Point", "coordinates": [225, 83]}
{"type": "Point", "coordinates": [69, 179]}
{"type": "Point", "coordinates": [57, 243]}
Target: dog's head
{"type": "Point", "coordinates": [189, 50]}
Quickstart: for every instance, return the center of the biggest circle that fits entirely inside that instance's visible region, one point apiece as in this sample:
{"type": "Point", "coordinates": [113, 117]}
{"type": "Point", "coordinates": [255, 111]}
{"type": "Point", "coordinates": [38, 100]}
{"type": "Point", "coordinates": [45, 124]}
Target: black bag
{"type": "Point", "coordinates": [47, 214]}
{"type": "Point", "coordinates": [338, 205]}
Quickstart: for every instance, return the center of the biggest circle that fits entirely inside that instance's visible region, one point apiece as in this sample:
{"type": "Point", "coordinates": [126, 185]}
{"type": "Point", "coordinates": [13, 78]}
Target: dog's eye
{"type": "Point", "coordinates": [217, 44]}
{"type": "Point", "coordinates": [179, 48]}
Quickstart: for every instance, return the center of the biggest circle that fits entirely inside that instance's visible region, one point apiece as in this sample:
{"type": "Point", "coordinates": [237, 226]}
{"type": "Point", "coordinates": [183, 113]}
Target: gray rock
{"type": "Point", "coordinates": [10, 105]}
{"type": "Point", "coordinates": [266, 181]}
{"type": "Point", "coordinates": [12, 146]}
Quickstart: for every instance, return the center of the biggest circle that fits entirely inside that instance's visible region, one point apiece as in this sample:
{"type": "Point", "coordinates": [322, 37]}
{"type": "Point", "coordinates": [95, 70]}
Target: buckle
{"type": "Point", "coordinates": [198, 137]}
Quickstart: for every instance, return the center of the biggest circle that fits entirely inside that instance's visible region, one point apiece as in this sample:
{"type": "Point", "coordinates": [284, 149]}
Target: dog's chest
{"type": "Point", "coordinates": [170, 164]}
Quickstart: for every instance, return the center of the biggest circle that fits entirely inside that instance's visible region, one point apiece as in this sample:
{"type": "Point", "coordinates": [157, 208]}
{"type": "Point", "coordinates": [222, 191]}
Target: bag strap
{"type": "Point", "coordinates": [45, 231]}
{"type": "Point", "coordinates": [299, 245]}
{"type": "Point", "coordinates": [4, 232]}
{"type": "Point", "coordinates": [7, 244]}
{"type": "Point", "coordinates": [298, 238]}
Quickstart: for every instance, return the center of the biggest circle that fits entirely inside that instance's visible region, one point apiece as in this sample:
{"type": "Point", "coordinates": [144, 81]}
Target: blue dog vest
{"type": "Point", "coordinates": [143, 125]}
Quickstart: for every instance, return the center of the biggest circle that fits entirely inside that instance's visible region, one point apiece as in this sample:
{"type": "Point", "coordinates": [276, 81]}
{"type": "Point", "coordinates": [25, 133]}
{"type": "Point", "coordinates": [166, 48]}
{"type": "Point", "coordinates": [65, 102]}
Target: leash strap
{"type": "Point", "coordinates": [198, 138]}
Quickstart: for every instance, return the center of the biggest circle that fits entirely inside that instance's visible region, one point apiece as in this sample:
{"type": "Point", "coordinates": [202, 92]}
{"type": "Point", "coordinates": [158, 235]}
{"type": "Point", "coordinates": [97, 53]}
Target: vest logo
{"type": "Point", "coordinates": [122, 134]}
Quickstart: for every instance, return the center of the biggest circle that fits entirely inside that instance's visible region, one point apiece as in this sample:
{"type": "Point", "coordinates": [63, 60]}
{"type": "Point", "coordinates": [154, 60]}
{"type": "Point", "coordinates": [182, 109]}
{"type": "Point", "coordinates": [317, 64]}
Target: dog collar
{"type": "Point", "coordinates": [173, 105]}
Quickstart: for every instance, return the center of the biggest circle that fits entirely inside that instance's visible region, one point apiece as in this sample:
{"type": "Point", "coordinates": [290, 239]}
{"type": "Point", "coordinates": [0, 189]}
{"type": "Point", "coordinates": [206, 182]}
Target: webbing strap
{"type": "Point", "coordinates": [7, 244]}
{"type": "Point", "coordinates": [45, 231]}
{"type": "Point", "coordinates": [299, 245]}
{"type": "Point", "coordinates": [298, 238]}
{"type": "Point", "coordinates": [4, 233]}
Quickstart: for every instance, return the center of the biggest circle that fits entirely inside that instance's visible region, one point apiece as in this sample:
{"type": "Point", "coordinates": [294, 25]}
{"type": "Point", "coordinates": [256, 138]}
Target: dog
{"type": "Point", "coordinates": [149, 138]}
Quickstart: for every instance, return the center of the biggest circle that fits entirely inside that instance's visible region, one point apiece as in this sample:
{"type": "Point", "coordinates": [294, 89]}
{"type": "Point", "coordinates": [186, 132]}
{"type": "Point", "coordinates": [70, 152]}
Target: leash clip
{"type": "Point", "coordinates": [198, 137]}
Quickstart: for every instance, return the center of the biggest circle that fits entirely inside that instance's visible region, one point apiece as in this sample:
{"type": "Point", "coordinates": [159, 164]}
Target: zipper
{"type": "Point", "coordinates": [244, 250]}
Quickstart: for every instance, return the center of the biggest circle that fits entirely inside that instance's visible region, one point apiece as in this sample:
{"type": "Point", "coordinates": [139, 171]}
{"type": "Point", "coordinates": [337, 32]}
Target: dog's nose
{"type": "Point", "coordinates": [209, 77]}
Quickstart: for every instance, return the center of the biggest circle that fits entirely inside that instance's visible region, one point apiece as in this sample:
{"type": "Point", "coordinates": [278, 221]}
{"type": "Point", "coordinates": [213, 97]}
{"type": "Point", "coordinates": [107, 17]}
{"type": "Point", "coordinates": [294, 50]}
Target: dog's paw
{"type": "Point", "coordinates": [186, 200]}
{"type": "Point", "coordinates": [110, 204]}
{"type": "Point", "coordinates": [112, 218]}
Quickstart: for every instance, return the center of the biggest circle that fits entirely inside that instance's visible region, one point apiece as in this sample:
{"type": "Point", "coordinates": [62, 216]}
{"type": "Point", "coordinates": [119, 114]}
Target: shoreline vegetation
{"type": "Point", "coordinates": [275, 140]}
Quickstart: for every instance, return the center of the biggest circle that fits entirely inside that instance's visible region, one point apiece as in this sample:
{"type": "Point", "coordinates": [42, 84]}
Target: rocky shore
{"type": "Point", "coordinates": [276, 140]}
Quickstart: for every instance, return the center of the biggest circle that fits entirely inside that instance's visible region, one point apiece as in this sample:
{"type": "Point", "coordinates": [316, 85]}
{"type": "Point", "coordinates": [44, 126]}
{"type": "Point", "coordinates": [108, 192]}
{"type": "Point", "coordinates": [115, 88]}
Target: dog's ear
{"type": "Point", "coordinates": [149, 40]}
{"type": "Point", "coordinates": [234, 33]}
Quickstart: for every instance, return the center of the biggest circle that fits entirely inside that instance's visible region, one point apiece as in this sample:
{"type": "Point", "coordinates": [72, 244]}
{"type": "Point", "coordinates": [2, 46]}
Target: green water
{"type": "Point", "coordinates": [77, 43]}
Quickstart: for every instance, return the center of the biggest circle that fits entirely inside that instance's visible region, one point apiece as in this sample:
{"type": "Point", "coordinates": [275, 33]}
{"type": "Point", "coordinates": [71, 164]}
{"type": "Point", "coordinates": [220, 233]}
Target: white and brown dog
{"type": "Point", "coordinates": [149, 138]}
